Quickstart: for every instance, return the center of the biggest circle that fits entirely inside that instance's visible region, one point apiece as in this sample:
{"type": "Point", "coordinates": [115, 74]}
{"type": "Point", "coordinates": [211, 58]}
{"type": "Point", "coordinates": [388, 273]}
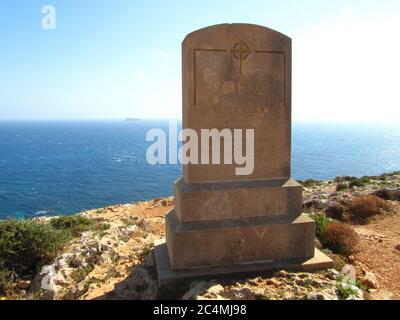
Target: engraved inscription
{"type": "Point", "coordinates": [228, 87]}
{"type": "Point", "coordinates": [241, 51]}
{"type": "Point", "coordinates": [250, 85]}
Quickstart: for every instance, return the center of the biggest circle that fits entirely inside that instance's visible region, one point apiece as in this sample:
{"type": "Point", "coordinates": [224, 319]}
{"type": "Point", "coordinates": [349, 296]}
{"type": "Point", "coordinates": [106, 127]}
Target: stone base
{"type": "Point", "coordinates": [237, 199]}
{"type": "Point", "coordinates": [238, 241]}
{"type": "Point", "coordinates": [168, 276]}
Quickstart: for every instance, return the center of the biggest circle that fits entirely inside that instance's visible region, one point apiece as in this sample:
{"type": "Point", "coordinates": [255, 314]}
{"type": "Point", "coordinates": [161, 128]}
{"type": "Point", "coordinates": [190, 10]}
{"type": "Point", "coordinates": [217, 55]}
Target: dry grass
{"type": "Point", "coordinates": [340, 238]}
{"type": "Point", "coordinates": [364, 207]}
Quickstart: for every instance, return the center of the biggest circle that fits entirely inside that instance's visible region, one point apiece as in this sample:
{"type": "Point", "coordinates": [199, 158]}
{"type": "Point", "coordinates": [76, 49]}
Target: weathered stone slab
{"type": "Point", "coordinates": [238, 241]}
{"type": "Point", "coordinates": [239, 76]}
{"type": "Point", "coordinates": [240, 199]}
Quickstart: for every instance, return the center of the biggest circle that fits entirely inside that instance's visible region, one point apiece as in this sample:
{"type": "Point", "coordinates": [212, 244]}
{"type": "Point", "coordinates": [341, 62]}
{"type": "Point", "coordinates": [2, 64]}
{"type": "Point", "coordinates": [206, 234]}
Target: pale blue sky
{"type": "Point", "coordinates": [121, 58]}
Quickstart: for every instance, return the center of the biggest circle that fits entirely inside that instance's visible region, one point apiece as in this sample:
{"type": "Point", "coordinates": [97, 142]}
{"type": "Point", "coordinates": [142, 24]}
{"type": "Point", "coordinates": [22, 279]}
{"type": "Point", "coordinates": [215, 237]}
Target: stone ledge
{"type": "Point", "coordinates": [237, 199]}
{"type": "Point", "coordinates": [168, 276]}
{"type": "Point", "coordinates": [177, 226]}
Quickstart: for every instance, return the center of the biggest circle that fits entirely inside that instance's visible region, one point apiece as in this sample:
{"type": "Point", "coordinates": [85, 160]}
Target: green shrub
{"type": "Point", "coordinates": [310, 183]}
{"type": "Point", "coordinates": [360, 182]}
{"type": "Point", "coordinates": [344, 178]}
{"type": "Point", "coordinates": [5, 277]}
{"type": "Point", "coordinates": [382, 177]}
{"type": "Point", "coordinates": [321, 221]}
{"type": "Point", "coordinates": [74, 224]}
{"type": "Point", "coordinates": [341, 186]}
{"type": "Point", "coordinates": [26, 245]}
{"type": "Point", "coordinates": [365, 179]}
{"type": "Point", "coordinates": [346, 290]}
{"type": "Point", "coordinates": [340, 179]}
{"type": "Point", "coordinates": [347, 287]}
{"type": "Point", "coordinates": [339, 238]}
{"type": "Point", "coordinates": [357, 183]}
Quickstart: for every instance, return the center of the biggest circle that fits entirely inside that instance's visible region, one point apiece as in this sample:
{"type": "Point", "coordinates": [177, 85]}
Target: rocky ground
{"type": "Point", "coordinates": [117, 263]}
{"type": "Point", "coordinates": [378, 250]}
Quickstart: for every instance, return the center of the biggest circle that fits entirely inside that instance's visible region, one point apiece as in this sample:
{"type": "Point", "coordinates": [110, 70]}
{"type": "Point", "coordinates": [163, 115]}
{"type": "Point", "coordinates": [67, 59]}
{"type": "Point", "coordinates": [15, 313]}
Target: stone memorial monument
{"type": "Point", "coordinates": [238, 76]}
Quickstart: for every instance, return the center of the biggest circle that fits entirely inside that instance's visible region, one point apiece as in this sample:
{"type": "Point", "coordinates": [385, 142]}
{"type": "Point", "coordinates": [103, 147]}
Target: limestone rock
{"type": "Point", "coordinates": [323, 295]}
{"type": "Point", "coordinates": [46, 281]}
{"type": "Point", "coordinates": [212, 293]}
{"type": "Point", "coordinates": [240, 294]}
{"type": "Point", "coordinates": [198, 288]}
{"type": "Point", "coordinates": [381, 295]}
{"type": "Point", "coordinates": [332, 274]}
{"type": "Point", "coordinates": [370, 280]}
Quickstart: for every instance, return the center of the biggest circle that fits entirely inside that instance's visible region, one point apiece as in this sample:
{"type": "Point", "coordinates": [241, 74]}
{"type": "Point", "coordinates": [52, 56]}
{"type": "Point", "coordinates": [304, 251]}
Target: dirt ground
{"type": "Point", "coordinates": [379, 249]}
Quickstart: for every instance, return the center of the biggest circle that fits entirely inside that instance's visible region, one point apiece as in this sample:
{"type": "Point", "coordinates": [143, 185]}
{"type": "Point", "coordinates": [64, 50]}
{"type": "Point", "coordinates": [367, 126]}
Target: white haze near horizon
{"type": "Point", "coordinates": [347, 69]}
{"type": "Point", "coordinates": [344, 70]}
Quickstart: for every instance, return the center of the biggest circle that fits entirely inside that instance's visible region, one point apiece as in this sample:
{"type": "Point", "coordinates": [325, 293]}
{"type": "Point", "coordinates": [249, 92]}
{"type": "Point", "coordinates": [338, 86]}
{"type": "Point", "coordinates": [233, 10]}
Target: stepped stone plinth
{"type": "Point", "coordinates": [238, 76]}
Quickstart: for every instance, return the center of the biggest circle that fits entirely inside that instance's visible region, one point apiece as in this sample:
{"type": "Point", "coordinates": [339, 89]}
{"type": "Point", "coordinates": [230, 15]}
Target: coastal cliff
{"type": "Point", "coordinates": [357, 219]}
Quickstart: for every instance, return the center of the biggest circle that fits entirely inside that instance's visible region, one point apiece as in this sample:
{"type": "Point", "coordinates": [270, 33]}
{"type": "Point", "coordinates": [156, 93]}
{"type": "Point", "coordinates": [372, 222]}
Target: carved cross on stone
{"type": "Point", "coordinates": [241, 51]}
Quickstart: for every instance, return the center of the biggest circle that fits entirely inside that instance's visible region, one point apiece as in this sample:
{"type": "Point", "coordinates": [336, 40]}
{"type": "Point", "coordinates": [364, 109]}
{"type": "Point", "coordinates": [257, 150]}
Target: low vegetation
{"type": "Point", "coordinates": [80, 274]}
{"type": "Point", "coordinates": [27, 245]}
{"type": "Point", "coordinates": [342, 186]}
{"type": "Point", "coordinates": [336, 236]}
{"type": "Point", "coordinates": [359, 209]}
{"type": "Point", "coordinates": [321, 221]}
{"type": "Point", "coordinates": [359, 182]}
{"type": "Point", "coordinates": [332, 226]}
{"type": "Point", "coordinates": [339, 238]}
{"type": "Point", "coordinates": [76, 224]}
{"type": "Point", "coordinates": [345, 182]}
{"type": "Point", "coordinates": [348, 288]}
{"type": "Point", "coordinates": [336, 211]}
{"type": "Point", "coordinates": [344, 179]}
{"type": "Point", "coordinates": [364, 207]}
{"type": "Point", "coordinates": [310, 183]}
{"type": "Point", "coordinates": [386, 194]}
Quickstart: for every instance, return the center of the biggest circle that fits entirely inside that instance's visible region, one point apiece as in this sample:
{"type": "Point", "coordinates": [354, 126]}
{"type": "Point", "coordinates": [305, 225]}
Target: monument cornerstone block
{"type": "Point", "coordinates": [238, 76]}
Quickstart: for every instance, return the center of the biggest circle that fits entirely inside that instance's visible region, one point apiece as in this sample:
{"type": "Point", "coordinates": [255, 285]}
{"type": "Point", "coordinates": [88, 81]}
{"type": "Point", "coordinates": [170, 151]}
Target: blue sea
{"type": "Point", "coordinates": [63, 167]}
